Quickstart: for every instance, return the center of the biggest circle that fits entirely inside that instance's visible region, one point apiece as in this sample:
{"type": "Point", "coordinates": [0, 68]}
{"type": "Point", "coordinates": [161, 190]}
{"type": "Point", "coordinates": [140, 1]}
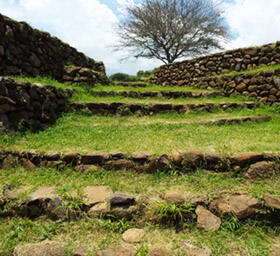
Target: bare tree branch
{"type": "Point", "coordinates": [172, 29]}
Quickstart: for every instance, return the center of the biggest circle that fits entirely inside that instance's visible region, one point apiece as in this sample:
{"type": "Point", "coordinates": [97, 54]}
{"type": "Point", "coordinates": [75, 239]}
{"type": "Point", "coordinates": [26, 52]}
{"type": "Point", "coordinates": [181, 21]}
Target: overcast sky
{"type": "Point", "coordinates": [88, 25]}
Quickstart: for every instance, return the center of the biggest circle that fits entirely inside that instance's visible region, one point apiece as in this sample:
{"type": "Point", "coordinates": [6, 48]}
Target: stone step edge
{"type": "Point", "coordinates": [133, 84]}
{"type": "Point", "coordinates": [238, 120]}
{"type": "Point", "coordinates": [120, 205]}
{"type": "Point", "coordinates": [159, 94]}
{"type": "Point", "coordinates": [154, 108]}
{"type": "Point", "coordinates": [142, 162]}
{"type": "Point", "coordinates": [218, 121]}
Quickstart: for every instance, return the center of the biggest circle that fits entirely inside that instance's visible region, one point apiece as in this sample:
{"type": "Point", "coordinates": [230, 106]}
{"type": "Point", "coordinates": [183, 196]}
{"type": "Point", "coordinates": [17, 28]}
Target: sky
{"type": "Point", "coordinates": [89, 26]}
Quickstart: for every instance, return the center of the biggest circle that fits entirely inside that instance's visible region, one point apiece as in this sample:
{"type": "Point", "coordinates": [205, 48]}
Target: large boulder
{"type": "Point", "coordinates": [240, 205]}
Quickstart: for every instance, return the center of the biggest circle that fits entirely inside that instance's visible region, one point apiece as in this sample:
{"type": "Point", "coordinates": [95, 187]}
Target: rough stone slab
{"type": "Point", "coordinates": [97, 194]}
{"type": "Point", "coordinates": [174, 197]}
{"type": "Point", "coordinates": [242, 206]}
{"type": "Point", "coordinates": [244, 159]}
{"type": "Point", "coordinates": [207, 220]}
{"type": "Point", "coordinates": [272, 201]}
{"type": "Point", "coordinates": [262, 170]}
{"type": "Point", "coordinates": [43, 193]}
{"type": "Point", "coordinates": [96, 158]}
{"type": "Point", "coordinates": [133, 235]}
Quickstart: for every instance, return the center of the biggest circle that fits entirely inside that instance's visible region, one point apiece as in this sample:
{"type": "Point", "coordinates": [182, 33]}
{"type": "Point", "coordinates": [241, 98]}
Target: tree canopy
{"type": "Point", "coordinates": [171, 29]}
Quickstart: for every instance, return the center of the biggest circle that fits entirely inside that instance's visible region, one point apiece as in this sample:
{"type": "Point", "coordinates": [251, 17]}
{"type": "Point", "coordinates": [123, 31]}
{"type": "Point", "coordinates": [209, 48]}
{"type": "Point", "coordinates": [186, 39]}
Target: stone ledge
{"type": "Point", "coordinates": [189, 71]}
{"type": "Point", "coordinates": [30, 106]}
{"type": "Point", "coordinates": [148, 109]}
{"type": "Point", "coordinates": [139, 162]}
{"type": "Point", "coordinates": [160, 94]}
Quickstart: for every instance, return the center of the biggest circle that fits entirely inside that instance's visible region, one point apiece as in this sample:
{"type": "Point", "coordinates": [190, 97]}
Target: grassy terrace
{"type": "Point", "coordinates": [151, 88]}
{"type": "Point", "coordinates": [82, 94]}
{"type": "Point", "coordinates": [250, 71]}
{"type": "Point", "coordinates": [158, 134]}
{"type": "Point", "coordinates": [110, 99]}
{"type": "Point", "coordinates": [251, 238]}
{"type": "Point", "coordinates": [74, 132]}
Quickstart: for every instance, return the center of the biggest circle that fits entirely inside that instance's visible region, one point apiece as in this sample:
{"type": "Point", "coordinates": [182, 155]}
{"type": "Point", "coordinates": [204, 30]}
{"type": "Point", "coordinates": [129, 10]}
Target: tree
{"type": "Point", "coordinates": [171, 29]}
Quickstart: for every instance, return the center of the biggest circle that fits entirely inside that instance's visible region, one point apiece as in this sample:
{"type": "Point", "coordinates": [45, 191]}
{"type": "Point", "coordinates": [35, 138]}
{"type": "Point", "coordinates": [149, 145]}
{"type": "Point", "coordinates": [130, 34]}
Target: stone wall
{"type": "Point", "coordinates": [143, 162]}
{"type": "Point", "coordinates": [119, 108]}
{"type": "Point", "coordinates": [30, 106]}
{"type": "Point", "coordinates": [30, 52]}
{"type": "Point", "coordinates": [265, 85]}
{"type": "Point", "coordinates": [189, 71]}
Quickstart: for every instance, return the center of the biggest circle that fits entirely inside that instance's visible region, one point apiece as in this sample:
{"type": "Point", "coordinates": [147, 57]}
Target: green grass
{"type": "Point", "coordinates": [151, 88]}
{"type": "Point", "coordinates": [82, 98]}
{"type": "Point", "coordinates": [251, 237]}
{"type": "Point", "coordinates": [250, 71]}
{"type": "Point", "coordinates": [74, 132]}
{"type": "Point", "coordinates": [83, 93]}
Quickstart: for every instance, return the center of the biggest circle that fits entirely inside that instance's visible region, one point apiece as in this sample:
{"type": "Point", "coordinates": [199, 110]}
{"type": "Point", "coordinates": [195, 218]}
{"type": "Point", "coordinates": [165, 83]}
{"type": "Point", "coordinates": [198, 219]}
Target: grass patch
{"type": "Point", "coordinates": [90, 98]}
{"type": "Point", "coordinates": [151, 88]}
{"type": "Point", "coordinates": [251, 237]}
{"type": "Point", "coordinates": [83, 93]}
{"type": "Point", "coordinates": [74, 132]}
{"type": "Point", "coordinates": [250, 71]}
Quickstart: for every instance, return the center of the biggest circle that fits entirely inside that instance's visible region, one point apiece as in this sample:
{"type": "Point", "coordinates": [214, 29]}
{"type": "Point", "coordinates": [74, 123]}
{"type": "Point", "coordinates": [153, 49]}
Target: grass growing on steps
{"type": "Point", "coordinates": [250, 71]}
{"type": "Point", "coordinates": [202, 100]}
{"type": "Point", "coordinates": [83, 92]}
{"type": "Point", "coordinates": [152, 88]}
{"type": "Point", "coordinates": [74, 132]}
{"type": "Point", "coordinates": [250, 239]}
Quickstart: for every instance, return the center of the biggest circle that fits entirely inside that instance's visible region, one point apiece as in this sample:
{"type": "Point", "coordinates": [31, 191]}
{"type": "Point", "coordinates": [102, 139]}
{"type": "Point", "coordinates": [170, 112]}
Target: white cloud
{"type": "Point", "coordinates": [256, 22]}
{"type": "Point", "coordinates": [88, 25]}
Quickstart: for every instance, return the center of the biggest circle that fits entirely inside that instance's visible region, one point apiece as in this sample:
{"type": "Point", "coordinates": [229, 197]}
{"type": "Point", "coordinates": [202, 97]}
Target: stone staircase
{"type": "Point", "coordinates": [143, 203]}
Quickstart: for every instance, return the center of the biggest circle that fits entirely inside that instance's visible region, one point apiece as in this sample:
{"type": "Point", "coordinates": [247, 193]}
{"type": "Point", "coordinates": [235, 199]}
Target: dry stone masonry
{"type": "Point", "coordinates": [28, 106]}
{"type": "Point", "coordinates": [30, 52]}
{"type": "Point", "coordinates": [265, 85]}
{"type": "Point", "coordinates": [154, 108]}
{"type": "Point", "coordinates": [181, 73]}
{"type": "Point", "coordinates": [254, 165]}
{"type": "Point", "coordinates": [206, 72]}
{"type": "Point", "coordinates": [165, 94]}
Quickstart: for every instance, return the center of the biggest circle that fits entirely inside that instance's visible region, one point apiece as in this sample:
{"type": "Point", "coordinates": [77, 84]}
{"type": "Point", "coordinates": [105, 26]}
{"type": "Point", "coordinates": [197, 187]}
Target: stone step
{"type": "Point", "coordinates": [143, 162]}
{"type": "Point", "coordinates": [133, 84]}
{"type": "Point", "coordinates": [155, 108]}
{"type": "Point", "coordinates": [216, 121]}
{"type": "Point", "coordinates": [99, 201]}
{"type": "Point", "coordinates": [237, 120]}
{"type": "Point", "coordinates": [158, 94]}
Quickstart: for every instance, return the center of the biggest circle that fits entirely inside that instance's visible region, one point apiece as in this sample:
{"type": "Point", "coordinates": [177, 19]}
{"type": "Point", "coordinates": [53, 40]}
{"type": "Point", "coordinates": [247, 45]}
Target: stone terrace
{"type": "Point", "coordinates": [140, 169]}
